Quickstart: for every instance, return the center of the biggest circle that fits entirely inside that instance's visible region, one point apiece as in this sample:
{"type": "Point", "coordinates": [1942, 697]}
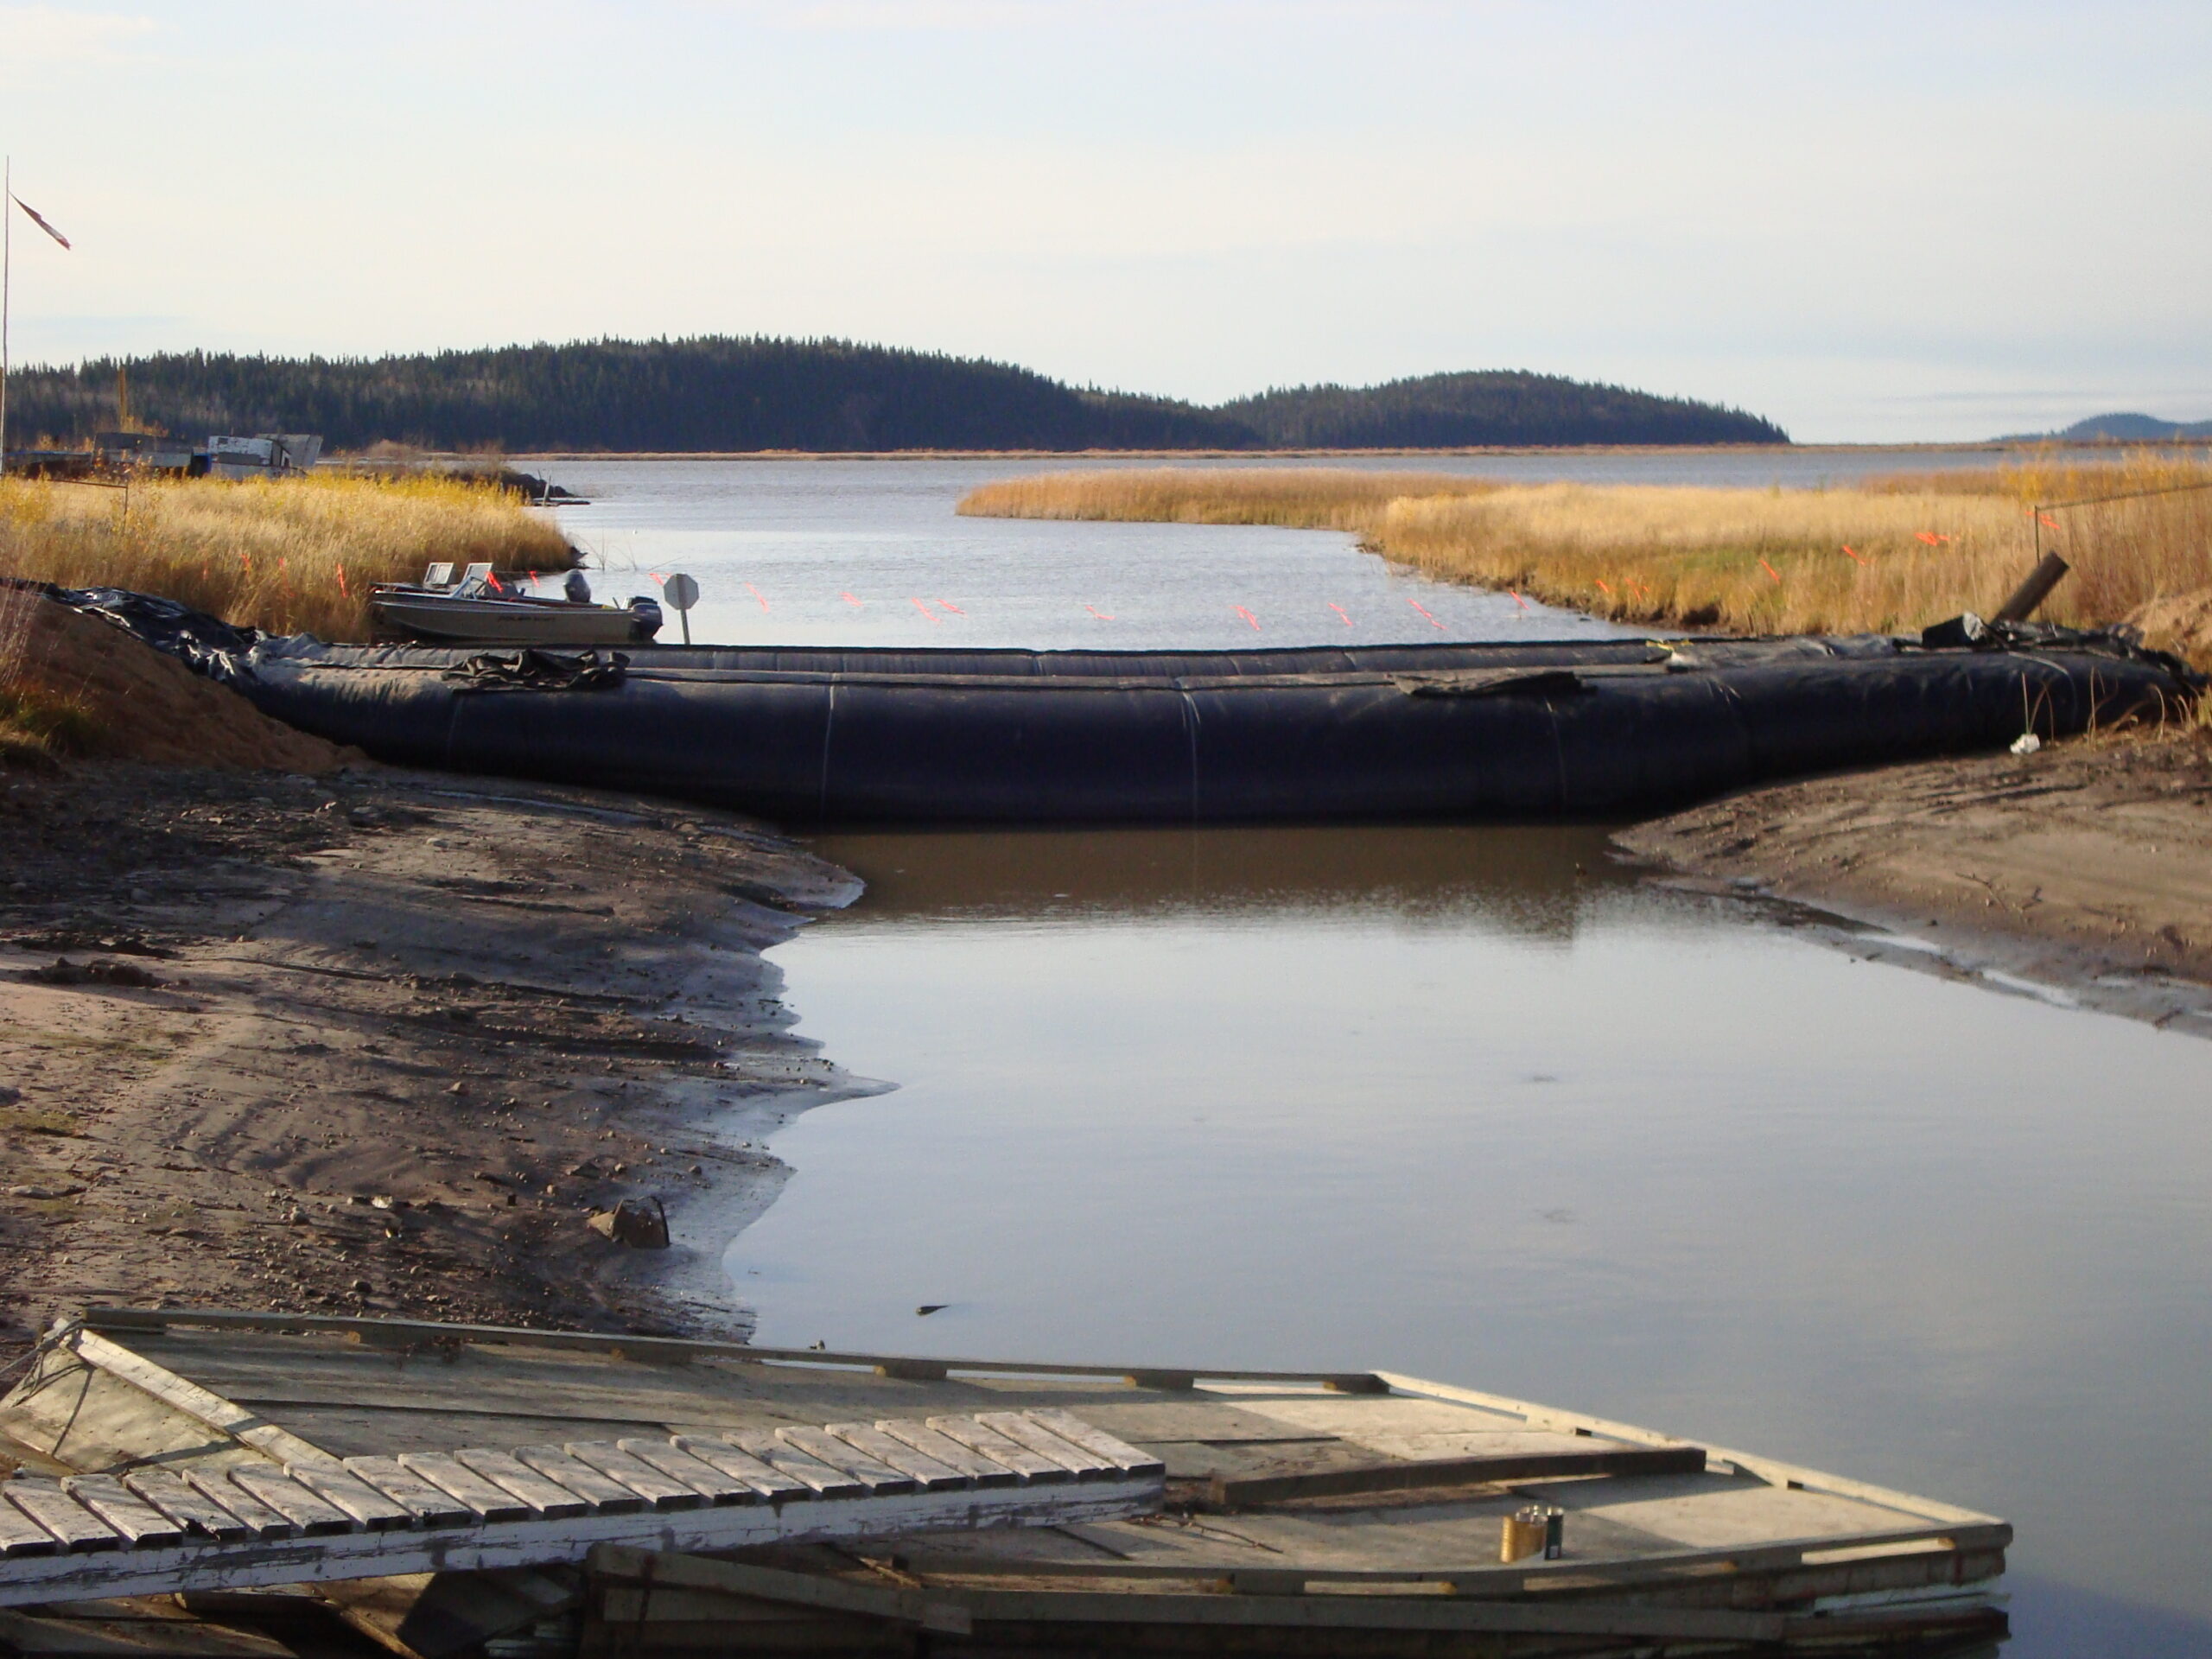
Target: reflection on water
{"type": "Point", "coordinates": [1472, 1102]}
{"type": "Point", "coordinates": [1527, 881]}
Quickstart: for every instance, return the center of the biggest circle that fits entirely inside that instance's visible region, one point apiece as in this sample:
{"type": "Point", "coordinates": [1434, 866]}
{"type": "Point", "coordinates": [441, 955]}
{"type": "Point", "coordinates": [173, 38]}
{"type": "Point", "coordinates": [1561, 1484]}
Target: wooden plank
{"type": "Point", "coordinates": [716, 1486]}
{"type": "Point", "coordinates": [258, 1518]}
{"type": "Point", "coordinates": [356, 1554]}
{"type": "Point", "coordinates": [1215, 1420]}
{"type": "Point", "coordinates": [1395, 1417]}
{"type": "Point", "coordinates": [20, 1536]}
{"type": "Point", "coordinates": [76, 1528]}
{"type": "Point", "coordinates": [770, 1483]}
{"type": "Point", "coordinates": [313, 1515]}
{"type": "Point", "coordinates": [1766, 1469]}
{"type": "Point", "coordinates": [1367, 1612]}
{"type": "Point", "coordinates": [81, 1637]}
{"type": "Point", "coordinates": [490, 1500]}
{"type": "Point", "coordinates": [926, 1471]}
{"type": "Point", "coordinates": [426, 1332]}
{"type": "Point", "coordinates": [943, 1448]}
{"type": "Point", "coordinates": [1096, 1440]}
{"type": "Point", "coordinates": [663, 1491]}
{"type": "Point", "coordinates": [958, 1611]}
{"type": "Point", "coordinates": [789, 1460]}
{"type": "Point", "coordinates": [1723, 1512]}
{"type": "Point", "coordinates": [431, 1505]}
{"type": "Point", "coordinates": [373, 1508]}
{"type": "Point", "coordinates": [774, 1584]}
{"type": "Point", "coordinates": [142, 1526]}
{"type": "Point", "coordinates": [1020, 1429]}
{"type": "Point", "coordinates": [193, 1401]}
{"type": "Point", "coordinates": [545, 1496]}
{"type": "Point", "coordinates": [1399, 1476]}
{"type": "Point", "coordinates": [186, 1505]}
{"type": "Point", "coordinates": [1032, 1466]}
{"type": "Point", "coordinates": [1486, 1579]}
{"type": "Point", "coordinates": [604, 1495]}
{"type": "Point", "coordinates": [826, 1448]}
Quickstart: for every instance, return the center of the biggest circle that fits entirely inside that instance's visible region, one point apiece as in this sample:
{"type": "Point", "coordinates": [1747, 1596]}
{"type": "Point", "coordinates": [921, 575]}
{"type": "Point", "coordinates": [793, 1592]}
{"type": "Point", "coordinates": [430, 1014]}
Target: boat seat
{"type": "Point", "coordinates": [438, 575]}
{"type": "Point", "coordinates": [475, 580]}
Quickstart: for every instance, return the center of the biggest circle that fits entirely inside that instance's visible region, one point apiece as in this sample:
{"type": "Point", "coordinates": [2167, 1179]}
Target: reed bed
{"type": "Point", "coordinates": [1299, 498]}
{"type": "Point", "coordinates": [1892, 553]}
{"type": "Point", "coordinates": [288, 556]}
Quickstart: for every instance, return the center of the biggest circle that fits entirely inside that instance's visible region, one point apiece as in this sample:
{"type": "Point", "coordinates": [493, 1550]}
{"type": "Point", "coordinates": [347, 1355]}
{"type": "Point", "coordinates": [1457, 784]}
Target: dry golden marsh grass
{"type": "Point", "coordinates": [289, 555]}
{"type": "Point", "coordinates": [1302, 497]}
{"type": "Point", "coordinates": [1890, 553]}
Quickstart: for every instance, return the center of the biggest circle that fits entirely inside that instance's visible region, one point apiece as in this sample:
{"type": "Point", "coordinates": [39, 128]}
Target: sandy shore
{"type": "Point", "coordinates": [381, 1041]}
{"type": "Point", "coordinates": [2083, 871]}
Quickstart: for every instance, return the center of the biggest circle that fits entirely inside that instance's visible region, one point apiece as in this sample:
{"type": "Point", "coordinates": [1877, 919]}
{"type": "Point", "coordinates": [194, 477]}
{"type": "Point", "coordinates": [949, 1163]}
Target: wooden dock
{"type": "Point", "coordinates": [845, 1502]}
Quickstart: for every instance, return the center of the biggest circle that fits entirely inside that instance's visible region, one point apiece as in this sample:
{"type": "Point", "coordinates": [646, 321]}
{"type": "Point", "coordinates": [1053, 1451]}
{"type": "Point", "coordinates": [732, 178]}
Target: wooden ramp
{"type": "Point", "coordinates": [314, 1517]}
{"type": "Point", "coordinates": [984, 1504]}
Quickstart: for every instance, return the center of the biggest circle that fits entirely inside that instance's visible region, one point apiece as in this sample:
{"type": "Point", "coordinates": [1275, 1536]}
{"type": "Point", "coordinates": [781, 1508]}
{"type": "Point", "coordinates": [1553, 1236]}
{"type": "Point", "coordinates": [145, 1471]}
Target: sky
{"type": "Point", "coordinates": [1870, 222]}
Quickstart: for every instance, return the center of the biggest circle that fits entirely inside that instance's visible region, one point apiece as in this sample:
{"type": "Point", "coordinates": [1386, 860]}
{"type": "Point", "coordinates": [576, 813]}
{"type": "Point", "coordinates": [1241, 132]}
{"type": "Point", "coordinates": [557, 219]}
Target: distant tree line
{"type": "Point", "coordinates": [718, 393]}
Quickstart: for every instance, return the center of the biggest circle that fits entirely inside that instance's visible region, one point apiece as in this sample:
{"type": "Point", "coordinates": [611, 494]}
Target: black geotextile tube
{"type": "Point", "coordinates": [1552, 729]}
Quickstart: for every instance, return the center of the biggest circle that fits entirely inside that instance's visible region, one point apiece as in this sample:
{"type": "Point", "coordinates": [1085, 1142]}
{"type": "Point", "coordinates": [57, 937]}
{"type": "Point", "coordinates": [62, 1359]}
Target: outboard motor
{"type": "Point", "coordinates": [645, 617]}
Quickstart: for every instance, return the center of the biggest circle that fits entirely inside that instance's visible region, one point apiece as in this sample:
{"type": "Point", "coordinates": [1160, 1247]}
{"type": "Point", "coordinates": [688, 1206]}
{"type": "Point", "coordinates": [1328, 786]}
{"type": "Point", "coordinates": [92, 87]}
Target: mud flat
{"type": "Point", "coordinates": [2082, 871]}
{"type": "Point", "coordinates": [377, 1041]}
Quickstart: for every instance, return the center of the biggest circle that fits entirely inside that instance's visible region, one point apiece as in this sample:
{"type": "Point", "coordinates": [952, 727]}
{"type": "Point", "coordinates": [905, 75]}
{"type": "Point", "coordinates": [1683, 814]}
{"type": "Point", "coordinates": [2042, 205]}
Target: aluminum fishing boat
{"type": "Point", "coordinates": [479, 609]}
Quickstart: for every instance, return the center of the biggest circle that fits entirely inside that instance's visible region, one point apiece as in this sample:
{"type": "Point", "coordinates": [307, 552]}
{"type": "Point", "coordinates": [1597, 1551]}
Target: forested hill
{"type": "Point", "coordinates": [1443, 412]}
{"type": "Point", "coordinates": [732, 394]}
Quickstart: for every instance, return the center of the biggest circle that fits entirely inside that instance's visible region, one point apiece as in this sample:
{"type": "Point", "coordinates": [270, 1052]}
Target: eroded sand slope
{"type": "Point", "coordinates": [2087, 865]}
{"type": "Point", "coordinates": [404, 1032]}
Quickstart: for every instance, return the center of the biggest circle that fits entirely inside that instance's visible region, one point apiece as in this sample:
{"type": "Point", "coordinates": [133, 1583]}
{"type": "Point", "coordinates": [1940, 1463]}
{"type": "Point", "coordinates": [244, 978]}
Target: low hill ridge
{"type": "Point", "coordinates": [2124, 428]}
{"type": "Point", "coordinates": [724, 393]}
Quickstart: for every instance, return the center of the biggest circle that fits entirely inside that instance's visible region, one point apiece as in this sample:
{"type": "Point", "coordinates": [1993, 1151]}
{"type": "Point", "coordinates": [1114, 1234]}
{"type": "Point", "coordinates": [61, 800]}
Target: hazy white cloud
{"type": "Point", "coordinates": [32, 37]}
{"type": "Point", "coordinates": [1783, 209]}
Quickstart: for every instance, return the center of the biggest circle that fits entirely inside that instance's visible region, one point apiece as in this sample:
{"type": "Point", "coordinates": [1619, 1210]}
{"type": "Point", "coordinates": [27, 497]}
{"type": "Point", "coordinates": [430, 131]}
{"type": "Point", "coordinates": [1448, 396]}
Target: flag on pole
{"type": "Point", "coordinates": [38, 218]}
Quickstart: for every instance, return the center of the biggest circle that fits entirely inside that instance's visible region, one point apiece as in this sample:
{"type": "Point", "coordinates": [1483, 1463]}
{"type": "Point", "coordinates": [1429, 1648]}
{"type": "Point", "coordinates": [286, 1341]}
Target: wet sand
{"type": "Point", "coordinates": [381, 1042]}
{"type": "Point", "coordinates": [2086, 867]}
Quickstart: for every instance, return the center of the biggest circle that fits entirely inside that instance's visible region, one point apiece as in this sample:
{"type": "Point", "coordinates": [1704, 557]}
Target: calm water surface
{"type": "Point", "coordinates": [870, 553]}
{"type": "Point", "coordinates": [1472, 1102]}
{"type": "Point", "coordinates": [1475, 1105]}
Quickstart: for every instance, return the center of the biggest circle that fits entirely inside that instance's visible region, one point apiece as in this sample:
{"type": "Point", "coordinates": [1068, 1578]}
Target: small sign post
{"type": "Point", "coordinates": [682, 592]}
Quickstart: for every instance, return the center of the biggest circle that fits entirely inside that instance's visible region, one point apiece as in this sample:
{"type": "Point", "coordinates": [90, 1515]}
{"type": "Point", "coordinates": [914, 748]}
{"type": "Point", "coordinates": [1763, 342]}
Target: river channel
{"type": "Point", "coordinates": [1480, 1103]}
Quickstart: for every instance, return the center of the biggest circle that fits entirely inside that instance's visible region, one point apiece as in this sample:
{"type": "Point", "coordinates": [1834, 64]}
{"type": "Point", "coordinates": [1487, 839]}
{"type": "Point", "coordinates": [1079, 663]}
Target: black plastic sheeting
{"type": "Point", "coordinates": [1545, 730]}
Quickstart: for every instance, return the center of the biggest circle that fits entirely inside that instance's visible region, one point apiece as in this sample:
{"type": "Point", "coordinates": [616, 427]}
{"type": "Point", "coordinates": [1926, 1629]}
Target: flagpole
{"type": "Point", "coordinates": [7, 270]}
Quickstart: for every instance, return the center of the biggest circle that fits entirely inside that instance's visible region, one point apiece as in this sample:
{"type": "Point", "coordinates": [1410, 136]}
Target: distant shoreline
{"type": "Point", "coordinates": [1983, 446]}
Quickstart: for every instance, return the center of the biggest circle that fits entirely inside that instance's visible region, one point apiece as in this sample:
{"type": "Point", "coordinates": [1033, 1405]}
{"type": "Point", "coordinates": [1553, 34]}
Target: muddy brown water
{"type": "Point", "coordinates": [1472, 1102]}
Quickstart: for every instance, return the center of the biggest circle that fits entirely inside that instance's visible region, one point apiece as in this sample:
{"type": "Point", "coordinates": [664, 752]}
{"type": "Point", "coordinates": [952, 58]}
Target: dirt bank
{"type": "Point", "coordinates": [139, 704]}
{"type": "Point", "coordinates": [382, 1041]}
{"type": "Point", "coordinates": [2086, 867]}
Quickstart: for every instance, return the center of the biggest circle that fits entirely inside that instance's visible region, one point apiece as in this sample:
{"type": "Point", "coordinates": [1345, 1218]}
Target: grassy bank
{"type": "Point", "coordinates": [1300, 498]}
{"type": "Point", "coordinates": [289, 555]}
{"type": "Point", "coordinates": [37, 721]}
{"type": "Point", "coordinates": [1885, 554]}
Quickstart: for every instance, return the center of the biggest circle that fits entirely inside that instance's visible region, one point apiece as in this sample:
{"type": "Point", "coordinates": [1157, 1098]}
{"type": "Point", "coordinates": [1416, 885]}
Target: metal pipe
{"type": "Point", "coordinates": [7, 270]}
{"type": "Point", "coordinates": [2049, 571]}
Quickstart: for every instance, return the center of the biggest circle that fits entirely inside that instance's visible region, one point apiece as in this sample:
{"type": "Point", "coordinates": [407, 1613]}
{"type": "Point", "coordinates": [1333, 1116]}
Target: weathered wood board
{"type": "Point", "coordinates": [392, 1453]}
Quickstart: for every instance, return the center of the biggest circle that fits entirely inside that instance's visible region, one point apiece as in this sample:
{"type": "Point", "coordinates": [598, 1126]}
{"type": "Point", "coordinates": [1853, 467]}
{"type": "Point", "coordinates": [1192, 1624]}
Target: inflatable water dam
{"type": "Point", "coordinates": [1605, 728]}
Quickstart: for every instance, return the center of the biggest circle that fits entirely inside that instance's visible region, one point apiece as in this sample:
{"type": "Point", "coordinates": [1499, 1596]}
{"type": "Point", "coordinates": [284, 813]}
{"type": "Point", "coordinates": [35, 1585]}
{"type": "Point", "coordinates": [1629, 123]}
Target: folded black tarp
{"type": "Point", "coordinates": [811, 734]}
